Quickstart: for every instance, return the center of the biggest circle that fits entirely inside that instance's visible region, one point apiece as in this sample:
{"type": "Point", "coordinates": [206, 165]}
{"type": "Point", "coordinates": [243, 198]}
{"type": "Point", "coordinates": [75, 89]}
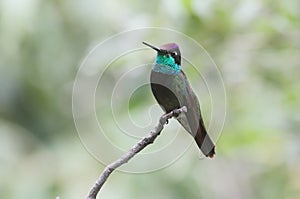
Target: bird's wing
{"type": "Point", "coordinates": [182, 119]}
{"type": "Point", "coordinates": [187, 98]}
{"type": "Point", "coordinates": [194, 120]}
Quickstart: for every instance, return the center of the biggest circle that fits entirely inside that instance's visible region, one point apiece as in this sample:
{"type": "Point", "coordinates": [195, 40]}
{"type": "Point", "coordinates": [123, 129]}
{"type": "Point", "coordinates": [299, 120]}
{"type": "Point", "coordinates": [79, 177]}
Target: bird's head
{"type": "Point", "coordinates": [167, 54]}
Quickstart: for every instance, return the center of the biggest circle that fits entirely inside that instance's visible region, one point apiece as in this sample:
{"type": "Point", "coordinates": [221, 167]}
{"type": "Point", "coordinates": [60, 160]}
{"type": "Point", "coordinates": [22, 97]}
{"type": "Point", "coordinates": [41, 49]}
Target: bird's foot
{"type": "Point", "coordinates": [176, 113]}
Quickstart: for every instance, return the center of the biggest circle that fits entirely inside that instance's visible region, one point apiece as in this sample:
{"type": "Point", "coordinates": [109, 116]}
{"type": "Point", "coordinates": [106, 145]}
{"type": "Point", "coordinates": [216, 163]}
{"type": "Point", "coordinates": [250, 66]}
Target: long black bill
{"type": "Point", "coordinates": [153, 47]}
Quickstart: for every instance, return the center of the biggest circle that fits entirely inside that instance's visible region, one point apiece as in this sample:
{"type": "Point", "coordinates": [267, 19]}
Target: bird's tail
{"type": "Point", "coordinates": [204, 142]}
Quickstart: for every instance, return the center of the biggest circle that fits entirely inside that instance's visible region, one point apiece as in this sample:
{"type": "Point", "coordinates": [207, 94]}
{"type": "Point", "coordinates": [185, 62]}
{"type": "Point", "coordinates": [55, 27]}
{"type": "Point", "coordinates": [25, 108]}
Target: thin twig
{"type": "Point", "coordinates": [149, 139]}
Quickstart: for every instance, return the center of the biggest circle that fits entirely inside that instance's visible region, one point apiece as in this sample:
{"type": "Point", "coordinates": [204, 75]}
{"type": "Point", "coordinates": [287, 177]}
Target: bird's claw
{"type": "Point", "coordinates": [176, 113]}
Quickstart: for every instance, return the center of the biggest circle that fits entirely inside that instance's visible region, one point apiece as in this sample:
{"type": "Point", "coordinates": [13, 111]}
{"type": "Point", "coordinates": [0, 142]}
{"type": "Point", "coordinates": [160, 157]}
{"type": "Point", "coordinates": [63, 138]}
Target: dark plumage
{"type": "Point", "coordinates": [172, 90]}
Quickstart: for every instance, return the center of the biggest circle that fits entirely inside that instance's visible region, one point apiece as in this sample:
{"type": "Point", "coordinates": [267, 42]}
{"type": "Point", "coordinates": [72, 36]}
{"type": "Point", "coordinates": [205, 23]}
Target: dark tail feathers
{"type": "Point", "coordinates": [204, 142]}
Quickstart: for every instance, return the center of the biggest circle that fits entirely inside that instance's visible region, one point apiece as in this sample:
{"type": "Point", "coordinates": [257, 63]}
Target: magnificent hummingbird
{"type": "Point", "coordinates": [172, 90]}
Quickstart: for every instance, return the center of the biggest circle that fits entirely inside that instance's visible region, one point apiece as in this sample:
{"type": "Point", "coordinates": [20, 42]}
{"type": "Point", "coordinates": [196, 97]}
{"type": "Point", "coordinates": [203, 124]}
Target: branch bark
{"type": "Point", "coordinates": [149, 139]}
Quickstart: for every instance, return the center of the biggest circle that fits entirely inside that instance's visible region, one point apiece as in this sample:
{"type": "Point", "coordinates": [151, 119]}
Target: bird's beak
{"type": "Point", "coordinates": [153, 47]}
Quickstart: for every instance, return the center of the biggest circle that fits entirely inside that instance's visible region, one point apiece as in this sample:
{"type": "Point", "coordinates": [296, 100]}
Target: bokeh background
{"type": "Point", "coordinates": [256, 45]}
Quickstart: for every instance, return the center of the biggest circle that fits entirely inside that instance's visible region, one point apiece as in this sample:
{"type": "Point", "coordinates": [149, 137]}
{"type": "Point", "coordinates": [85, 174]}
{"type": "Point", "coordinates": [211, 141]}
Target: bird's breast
{"type": "Point", "coordinates": [164, 91]}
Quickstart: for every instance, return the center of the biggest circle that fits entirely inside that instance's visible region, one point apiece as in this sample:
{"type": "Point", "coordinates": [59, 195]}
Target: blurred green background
{"type": "Point", "coordinates": [256, 45]}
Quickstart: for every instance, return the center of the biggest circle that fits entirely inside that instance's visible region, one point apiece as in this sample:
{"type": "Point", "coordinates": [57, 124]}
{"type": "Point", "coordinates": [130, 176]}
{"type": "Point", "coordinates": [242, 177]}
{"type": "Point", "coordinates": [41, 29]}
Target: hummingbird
{"type": "Point", "coordinates": [172, 90]}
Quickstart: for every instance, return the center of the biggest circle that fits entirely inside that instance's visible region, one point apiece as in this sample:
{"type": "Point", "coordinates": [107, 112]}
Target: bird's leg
{"type": "Point", "coordinates": [176, 112]}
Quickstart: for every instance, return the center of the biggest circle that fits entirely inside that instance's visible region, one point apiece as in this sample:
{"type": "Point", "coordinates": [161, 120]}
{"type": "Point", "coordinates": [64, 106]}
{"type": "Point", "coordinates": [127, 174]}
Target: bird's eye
{"type": "Point", "coordinates": [174, 53]}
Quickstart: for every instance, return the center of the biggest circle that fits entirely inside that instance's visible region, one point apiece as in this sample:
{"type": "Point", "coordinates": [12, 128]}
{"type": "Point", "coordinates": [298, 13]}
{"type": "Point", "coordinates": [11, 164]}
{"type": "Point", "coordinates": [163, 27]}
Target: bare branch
{"type": "Point", "coordinates": [149, 139]}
